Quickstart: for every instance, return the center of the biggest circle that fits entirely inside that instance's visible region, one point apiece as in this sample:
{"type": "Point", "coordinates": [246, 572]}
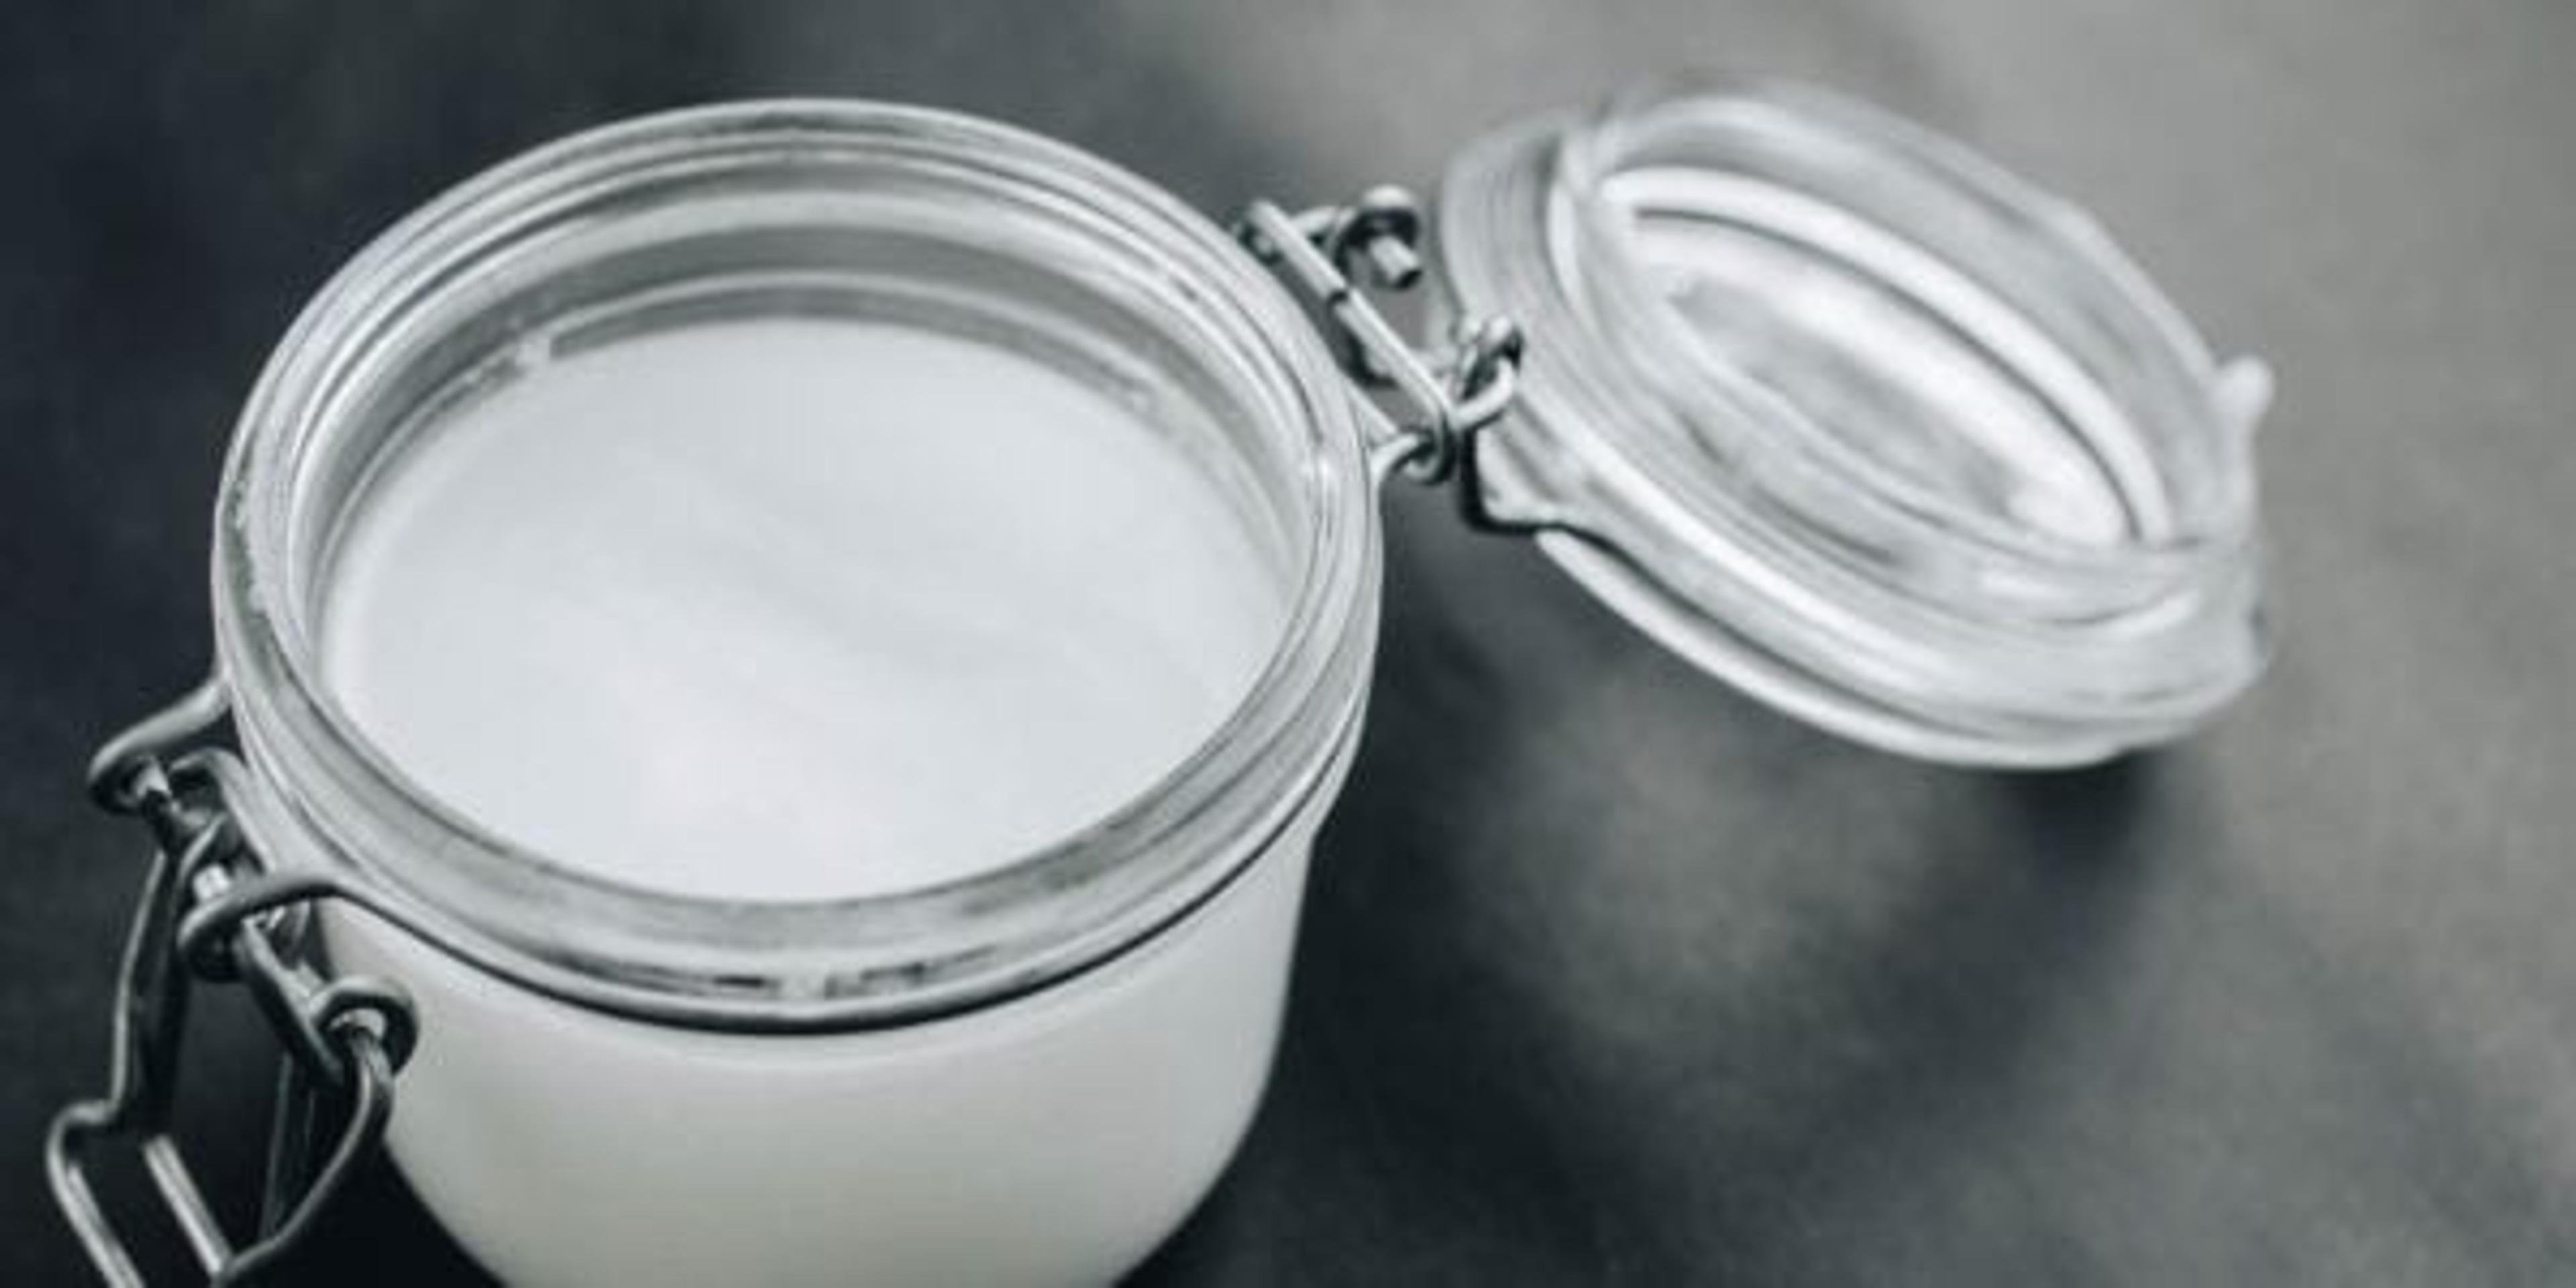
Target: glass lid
{"type": "Point", "coordinates": [1854, 420]}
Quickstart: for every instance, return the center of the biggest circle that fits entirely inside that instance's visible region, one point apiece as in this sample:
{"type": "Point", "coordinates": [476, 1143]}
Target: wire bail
{"type": "Point", "coordinates": [212, 910]}
{"type": "Point", "coordinates": [1448, 397]}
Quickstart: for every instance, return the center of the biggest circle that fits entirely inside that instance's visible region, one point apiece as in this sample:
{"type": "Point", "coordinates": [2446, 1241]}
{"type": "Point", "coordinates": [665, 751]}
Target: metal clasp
{"type": "Point", "coordinates": [1448, 398]}
{"type": "Point", "coordinates": [212, 910]}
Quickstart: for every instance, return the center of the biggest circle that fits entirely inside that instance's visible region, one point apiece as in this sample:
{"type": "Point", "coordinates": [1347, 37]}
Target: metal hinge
{"type": "Point", "coordinates": [1448, 398]}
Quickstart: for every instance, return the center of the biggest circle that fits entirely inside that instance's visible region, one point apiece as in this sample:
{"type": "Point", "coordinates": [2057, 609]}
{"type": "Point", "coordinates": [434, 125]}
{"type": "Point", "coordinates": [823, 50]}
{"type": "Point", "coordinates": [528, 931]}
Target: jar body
{"type": "Point", "coordinates": [1052, 1139]}
{"type": "Point", "coordinates": [1027, 1074]}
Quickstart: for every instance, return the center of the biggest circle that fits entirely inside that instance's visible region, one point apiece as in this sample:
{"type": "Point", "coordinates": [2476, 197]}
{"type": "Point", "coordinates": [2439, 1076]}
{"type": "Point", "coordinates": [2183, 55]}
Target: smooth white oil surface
{"type": "Point", "coordinates": [793, 608]}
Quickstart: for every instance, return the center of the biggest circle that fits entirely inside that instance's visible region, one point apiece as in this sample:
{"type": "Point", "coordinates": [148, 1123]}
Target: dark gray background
{"type": "Point", "coordinates": [1608, 974]}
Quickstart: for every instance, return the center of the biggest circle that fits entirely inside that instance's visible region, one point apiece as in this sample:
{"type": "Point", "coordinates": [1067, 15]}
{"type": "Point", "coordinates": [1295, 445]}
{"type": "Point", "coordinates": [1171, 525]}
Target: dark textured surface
{"type": "Point", "coordinates": [1608, 975]}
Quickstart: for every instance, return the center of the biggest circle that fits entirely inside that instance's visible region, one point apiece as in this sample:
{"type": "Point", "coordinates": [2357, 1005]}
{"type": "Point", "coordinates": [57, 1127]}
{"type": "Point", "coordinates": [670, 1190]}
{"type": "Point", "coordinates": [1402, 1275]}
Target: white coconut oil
{"type": "Point", "coordinates": [794, 610]}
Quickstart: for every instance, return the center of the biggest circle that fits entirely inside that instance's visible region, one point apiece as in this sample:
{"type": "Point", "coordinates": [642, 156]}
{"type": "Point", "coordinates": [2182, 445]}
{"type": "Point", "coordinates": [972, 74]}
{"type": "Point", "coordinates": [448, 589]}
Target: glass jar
{"type": "Point", "coordinates": [1830, 407]}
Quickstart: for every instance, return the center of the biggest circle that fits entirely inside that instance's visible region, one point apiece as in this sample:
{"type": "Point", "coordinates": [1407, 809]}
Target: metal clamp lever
{"type": "Point", "coordinates": [209, 910]}
{"type": "Point", "coordinates": [1449, 398]}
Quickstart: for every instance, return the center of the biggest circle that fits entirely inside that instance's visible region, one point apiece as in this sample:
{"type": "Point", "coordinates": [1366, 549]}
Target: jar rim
{"type": "Point", "coordinates": [835, 963]}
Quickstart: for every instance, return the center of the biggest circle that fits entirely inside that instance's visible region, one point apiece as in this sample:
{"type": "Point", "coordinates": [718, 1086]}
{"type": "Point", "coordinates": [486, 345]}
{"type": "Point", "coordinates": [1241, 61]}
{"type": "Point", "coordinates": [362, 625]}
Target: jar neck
{"type": "Point", "coordinates": [1041, 246]}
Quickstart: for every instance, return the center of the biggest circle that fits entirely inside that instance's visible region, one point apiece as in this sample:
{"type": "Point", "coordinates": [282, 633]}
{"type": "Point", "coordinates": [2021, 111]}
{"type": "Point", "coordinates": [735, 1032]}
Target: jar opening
{"type": "Point", "coordinates": [408, 400]}
{"type": "Point", "coordinates": [789, 603]}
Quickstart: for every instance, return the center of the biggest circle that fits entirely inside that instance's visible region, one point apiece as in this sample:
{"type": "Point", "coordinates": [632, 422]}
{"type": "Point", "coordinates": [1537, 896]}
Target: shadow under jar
{"type": "Point", "coordinates": [810, 640]}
